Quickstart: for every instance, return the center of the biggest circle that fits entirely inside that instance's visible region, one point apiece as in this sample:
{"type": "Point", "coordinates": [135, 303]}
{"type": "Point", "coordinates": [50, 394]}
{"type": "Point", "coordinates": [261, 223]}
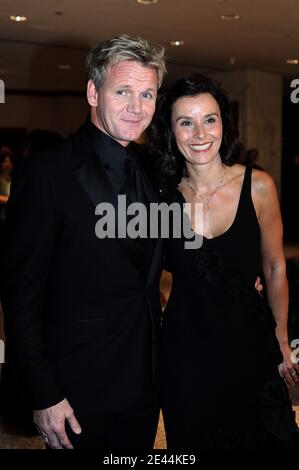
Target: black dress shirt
{"type": "Point", "coordinates": [127, 177]}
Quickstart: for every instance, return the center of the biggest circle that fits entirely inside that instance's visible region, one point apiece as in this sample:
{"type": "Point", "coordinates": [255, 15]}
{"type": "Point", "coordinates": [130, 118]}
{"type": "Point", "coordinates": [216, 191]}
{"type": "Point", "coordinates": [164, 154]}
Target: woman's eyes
{"type": "Point", "coordinates": [210, 120]}
{"type": "Point", "coordinates": [186, 123]}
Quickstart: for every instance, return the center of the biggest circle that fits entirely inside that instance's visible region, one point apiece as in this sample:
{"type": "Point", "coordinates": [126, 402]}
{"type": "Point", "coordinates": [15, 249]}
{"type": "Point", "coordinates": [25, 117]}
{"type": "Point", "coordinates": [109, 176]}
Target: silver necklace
{"type": "Point", "coordinates": [206, 198]}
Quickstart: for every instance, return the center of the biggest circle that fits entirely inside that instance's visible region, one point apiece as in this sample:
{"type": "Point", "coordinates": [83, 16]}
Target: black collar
{"type": "Point", "coordinates": [111, 152]}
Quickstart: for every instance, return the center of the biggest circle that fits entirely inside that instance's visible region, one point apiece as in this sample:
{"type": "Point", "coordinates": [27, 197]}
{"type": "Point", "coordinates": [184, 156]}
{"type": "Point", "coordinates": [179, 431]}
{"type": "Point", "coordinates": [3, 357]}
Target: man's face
{"type": "Point", "coordinates": [124, 105]}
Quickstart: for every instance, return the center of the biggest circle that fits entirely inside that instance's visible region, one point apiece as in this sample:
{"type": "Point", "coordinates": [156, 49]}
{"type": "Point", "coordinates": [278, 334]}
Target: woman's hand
{"type": "Point", "coordinates": [258, 285]}
{"type": "Point", "coordinates": [287, 369]}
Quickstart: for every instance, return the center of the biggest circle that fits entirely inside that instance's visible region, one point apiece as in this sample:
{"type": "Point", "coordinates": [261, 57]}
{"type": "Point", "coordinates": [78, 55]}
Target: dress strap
{"type": "Point", "coordinates": [245, 195]}
{"type": "Point", "coordinates": [247, 212]}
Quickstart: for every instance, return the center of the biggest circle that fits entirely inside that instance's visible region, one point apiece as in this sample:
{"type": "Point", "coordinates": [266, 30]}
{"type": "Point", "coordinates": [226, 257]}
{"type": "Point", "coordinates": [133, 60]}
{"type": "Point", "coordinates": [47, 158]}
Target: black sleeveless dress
{"type": "Point", "coordinates": [219, 378]}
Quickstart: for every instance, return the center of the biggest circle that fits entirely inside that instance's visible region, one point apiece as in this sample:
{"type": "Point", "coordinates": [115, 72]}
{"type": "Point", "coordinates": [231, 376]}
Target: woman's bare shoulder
{"type": "Point", "coordinates": [262, 183]}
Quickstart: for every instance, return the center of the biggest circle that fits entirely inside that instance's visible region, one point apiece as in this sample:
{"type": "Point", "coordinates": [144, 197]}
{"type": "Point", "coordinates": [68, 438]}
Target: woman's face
{"type": "Point", "coordinates": [197, 125]}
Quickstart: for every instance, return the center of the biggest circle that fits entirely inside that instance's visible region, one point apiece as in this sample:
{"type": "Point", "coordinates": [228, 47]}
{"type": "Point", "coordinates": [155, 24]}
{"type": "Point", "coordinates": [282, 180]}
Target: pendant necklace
{"type": "Point", "coordinates": [206, 198]}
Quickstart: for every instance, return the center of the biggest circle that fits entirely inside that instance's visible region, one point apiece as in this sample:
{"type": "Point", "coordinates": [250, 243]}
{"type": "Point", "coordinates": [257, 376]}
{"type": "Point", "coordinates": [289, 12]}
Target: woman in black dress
{"type": "Point", "coordinates": [226, 361]}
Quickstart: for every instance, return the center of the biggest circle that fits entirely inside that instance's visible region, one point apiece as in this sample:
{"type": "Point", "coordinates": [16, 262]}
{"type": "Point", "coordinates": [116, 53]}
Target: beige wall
{"type": "Point", "coordinates": [59, 114]}
{"type": "Point", "coordinates": [264, 119]}
{"type": "Point", "coordinates": [259, 95]}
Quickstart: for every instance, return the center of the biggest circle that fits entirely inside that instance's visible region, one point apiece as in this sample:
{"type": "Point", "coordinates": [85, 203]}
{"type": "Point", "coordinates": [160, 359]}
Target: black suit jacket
{"type": "Point", "coordinates": [82, 314]}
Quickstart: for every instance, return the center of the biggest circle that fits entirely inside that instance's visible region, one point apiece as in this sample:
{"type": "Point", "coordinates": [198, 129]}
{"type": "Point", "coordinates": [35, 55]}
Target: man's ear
{"type": "Point", "coordinates": [92, 93]}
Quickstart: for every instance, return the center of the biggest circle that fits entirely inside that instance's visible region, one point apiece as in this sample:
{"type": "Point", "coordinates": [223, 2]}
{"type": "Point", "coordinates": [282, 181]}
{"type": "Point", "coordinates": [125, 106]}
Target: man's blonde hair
{"type": "Point", "coordinates": [121, 48]}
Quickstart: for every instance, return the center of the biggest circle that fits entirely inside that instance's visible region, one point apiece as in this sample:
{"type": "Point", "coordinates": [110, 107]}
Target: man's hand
{"type": "Point", "coordinates": [50, 422]}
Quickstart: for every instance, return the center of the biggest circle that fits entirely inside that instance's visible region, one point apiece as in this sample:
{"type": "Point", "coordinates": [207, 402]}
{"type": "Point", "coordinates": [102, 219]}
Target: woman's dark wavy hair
{"type": "Point", "coordinates": [170, 163]}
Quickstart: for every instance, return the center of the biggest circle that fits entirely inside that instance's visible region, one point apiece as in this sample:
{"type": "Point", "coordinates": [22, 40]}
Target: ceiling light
{"type": "Point", "coordinates": [292, 61]}
{"type": "Point", "coordinates": [177, 43]}
{"type": "Point", "coordinates": [230, 17]}
{"type": "Point", "coordinates": [18, 18]}
{"type": "Point", "coordinates": [147, 2]}
{"type": "Point", "coordinates": [64, 66]}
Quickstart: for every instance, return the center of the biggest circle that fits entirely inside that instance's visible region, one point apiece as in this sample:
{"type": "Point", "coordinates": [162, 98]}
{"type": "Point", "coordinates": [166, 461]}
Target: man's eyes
{"type": "Point", "coordinates": [146, 94]}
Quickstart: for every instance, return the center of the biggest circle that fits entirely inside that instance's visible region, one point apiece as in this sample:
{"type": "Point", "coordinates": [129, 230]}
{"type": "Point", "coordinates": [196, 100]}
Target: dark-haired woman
{"type": "Point", "coordinates": [226, 359]}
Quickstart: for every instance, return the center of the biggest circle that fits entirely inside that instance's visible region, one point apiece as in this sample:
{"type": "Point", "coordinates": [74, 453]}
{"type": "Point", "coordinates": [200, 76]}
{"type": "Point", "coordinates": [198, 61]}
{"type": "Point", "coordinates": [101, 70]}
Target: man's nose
{"type": "Point", "coordinates": [135, 104]}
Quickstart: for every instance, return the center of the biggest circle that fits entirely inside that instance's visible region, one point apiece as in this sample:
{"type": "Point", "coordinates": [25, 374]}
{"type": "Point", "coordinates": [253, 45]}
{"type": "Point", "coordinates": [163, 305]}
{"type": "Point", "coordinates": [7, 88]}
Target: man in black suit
{"type": "Point", "coordinates": [82, 312]}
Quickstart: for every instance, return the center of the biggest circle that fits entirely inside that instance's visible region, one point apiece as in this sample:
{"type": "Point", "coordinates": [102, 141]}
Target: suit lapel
{"type": "Point", "coordinates": [91, 175]}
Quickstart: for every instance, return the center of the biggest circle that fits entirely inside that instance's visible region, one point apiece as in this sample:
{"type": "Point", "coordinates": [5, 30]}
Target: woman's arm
{"type": "Point", "coordinates": [3, 199]}
{"type": "Point", "coordinates": [266, 202]}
